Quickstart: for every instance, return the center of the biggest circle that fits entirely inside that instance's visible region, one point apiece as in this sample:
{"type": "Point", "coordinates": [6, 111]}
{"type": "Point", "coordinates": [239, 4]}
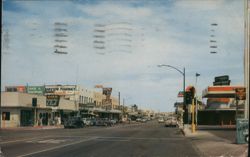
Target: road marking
{"type": "Point", "coordinates": [115, 140]}
{"type": "Point", "coordinates": [53, 141]}
{"type": "Point", "coordinates": [23, 140]}
{"type": "Point", "coordinates": [45, 150]}
{"type": "Point", "coordinates": [139, 138]}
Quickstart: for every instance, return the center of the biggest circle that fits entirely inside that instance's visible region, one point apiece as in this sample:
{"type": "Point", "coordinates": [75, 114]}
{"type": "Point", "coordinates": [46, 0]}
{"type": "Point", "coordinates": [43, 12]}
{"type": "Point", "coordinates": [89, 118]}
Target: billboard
{"type": "Point", "coordinates": [52, 100]}
{"type": "Point", "coordinates": [60, 90]}
{"type": "Point", "coordinates": [107, 91]}
{"type": "Point", "coordinates": [35, 89]}
{"type": "Point", "coordinates": [21, 89]}
{"type": "Point", "coordinates": [49, 90]}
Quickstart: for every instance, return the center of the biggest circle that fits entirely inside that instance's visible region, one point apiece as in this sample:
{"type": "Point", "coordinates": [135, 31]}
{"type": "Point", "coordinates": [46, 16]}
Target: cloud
{"type": "Point", "coordinates": [108, 9]}
{"type": "Point", "coordinates": [175, 33]}
{"type": "Point", "coordinates": [204, 5]}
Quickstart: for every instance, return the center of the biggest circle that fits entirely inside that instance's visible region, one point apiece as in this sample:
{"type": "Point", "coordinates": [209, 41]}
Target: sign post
{"type": "Point", "coordinates": [241, 124]}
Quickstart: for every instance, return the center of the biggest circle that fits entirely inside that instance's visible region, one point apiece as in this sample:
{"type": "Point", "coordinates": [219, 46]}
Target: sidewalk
{"type": "Point", "coordinates": [210, 145]}
{"type": "Point", "coordinates": [34, 128]}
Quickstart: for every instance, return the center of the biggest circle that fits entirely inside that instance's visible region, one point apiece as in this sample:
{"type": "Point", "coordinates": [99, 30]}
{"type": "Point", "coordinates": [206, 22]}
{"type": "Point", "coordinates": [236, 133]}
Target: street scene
{"type": "Point", "coordinates": [144, 139]}
{"type": "Point", "coordinates": [125, 78]}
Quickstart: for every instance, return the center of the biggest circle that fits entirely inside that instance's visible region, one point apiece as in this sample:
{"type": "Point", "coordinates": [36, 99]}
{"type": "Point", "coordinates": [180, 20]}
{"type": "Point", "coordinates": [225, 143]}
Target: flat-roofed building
{"type": "Point", "coordinates": [23, 109]}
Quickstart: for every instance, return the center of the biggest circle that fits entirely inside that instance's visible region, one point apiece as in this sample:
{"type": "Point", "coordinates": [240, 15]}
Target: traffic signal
{"type": "Point", "coordinates": [188, 97]}
{"type": "Point", "coordinates": [192, 90]}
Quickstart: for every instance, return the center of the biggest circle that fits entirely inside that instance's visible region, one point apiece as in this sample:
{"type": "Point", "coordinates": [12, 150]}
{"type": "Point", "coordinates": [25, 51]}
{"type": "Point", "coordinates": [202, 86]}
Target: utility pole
{"type": "Point", "coordinates": [184, 98]}
{"type": "Point", "coordinates": [123, 107]}
{"type": "Point", "coordinates": [193, 126]}
{"type": "Point", "coordinates": [119, 98]}
{"type": "Point", "coordinates": [246, 56]}
{"type": "Point", "coordinates": [196, 97]}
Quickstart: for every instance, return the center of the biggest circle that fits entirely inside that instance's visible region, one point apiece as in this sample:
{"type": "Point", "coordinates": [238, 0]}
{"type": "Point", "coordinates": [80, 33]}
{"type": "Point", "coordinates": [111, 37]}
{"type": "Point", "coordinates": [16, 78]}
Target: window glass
{"type": "Point", "coordinates": [6, 116]}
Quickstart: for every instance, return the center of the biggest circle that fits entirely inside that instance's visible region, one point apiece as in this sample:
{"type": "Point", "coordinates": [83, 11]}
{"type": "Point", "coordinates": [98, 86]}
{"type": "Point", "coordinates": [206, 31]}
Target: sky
{"type": "Point", "coordinates": [119, 44]}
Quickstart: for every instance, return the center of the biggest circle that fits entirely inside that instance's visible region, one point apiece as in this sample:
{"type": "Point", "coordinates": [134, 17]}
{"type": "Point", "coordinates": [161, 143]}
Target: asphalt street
{"type": "Point", "coordinates": [141, 139]}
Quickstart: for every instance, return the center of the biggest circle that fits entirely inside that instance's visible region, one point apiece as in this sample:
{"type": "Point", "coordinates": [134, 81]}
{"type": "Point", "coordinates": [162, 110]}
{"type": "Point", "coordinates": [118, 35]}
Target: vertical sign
{"type": "Point", "coordinates": [52, 100]}
{"type": "Point", "coordinates": [240, 93]}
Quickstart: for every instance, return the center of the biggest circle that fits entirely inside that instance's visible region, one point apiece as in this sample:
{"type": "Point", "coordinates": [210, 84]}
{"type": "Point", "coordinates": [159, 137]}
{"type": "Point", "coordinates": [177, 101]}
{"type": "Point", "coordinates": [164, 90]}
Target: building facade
{"type": "Point", "coordinates": [23, 109]}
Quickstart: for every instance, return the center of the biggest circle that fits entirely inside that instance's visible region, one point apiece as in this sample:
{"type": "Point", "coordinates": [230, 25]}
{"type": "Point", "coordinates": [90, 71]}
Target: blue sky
{"type": "Point", "coordinates": [160, 32]}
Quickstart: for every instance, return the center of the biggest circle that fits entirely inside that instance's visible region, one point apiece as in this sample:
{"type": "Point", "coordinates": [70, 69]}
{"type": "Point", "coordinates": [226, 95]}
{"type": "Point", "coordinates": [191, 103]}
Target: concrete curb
{"type": "Point", "coordinates": [182, 131]}
{"type": "Point", "coordinates": [34, 128]}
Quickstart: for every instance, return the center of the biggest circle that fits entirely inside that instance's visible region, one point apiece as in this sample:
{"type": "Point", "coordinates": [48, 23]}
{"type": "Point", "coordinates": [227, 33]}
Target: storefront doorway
{"type": "Point", "coordinates": [27, 118]}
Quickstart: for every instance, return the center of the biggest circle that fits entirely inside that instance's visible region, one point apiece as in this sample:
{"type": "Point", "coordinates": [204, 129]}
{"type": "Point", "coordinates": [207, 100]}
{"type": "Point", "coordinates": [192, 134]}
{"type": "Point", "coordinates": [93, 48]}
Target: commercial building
{"type": "Point", "coordinates": [52, 104]}
{"type": "Point", "coordinates": [24, 109]}
{"type": "Point", "coordinates": [222, 107]}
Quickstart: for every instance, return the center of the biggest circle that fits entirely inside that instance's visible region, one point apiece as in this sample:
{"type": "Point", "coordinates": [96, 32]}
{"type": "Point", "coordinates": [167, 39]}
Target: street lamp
{"type": "Point", "coordinates": [196, 103]}
{"type": "Point", "coordinates": [184, 75]}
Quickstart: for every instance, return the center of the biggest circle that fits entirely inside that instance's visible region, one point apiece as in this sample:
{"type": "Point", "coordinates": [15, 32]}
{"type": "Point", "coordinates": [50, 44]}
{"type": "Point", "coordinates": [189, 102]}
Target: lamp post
{"type": "Point", "coordinates": [196, 97]}
{"type": "Point", "coordinates": [184, 75]}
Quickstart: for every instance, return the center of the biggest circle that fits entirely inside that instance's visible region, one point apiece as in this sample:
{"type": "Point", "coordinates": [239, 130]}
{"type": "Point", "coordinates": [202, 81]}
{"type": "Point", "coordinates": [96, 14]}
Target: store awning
{"type": "Point", "coordinates": [220, 91]}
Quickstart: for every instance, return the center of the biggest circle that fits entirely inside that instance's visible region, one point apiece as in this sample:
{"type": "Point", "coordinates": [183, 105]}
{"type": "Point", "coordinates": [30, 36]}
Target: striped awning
{"type": "Point", "coordinates": [220, 91]}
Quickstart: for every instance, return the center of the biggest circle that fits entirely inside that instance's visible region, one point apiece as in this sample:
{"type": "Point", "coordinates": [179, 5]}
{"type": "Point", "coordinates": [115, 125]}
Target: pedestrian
{"type": "Point", "coordinates": [59, 120]}
{"type": "Point", "coordinates": [41, 121]}
{"type": "Point", "coordinates": [56, 120]}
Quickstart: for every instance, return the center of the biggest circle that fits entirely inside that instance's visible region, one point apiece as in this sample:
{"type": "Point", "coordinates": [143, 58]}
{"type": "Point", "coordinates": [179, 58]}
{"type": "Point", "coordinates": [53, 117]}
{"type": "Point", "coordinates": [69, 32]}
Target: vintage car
{"type": "Point", "coordinates": [161, 120]}
{"type": "Point", "coordinates": [171, 121]}
{"type": "Point", "coordinates": [74, 122]}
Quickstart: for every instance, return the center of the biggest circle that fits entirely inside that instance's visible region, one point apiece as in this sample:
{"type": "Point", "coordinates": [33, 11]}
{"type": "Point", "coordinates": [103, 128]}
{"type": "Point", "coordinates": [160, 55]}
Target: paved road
{"type": "Point", "coordinates": [144, 139]}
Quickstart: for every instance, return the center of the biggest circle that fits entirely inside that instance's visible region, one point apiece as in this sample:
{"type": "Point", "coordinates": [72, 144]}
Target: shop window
{"type": "Point", "coordinates": [6, 116]}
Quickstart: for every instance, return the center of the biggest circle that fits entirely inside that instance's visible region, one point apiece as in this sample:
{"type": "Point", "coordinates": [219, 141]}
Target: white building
{"type": "Point", "coordinates": [19, 109]}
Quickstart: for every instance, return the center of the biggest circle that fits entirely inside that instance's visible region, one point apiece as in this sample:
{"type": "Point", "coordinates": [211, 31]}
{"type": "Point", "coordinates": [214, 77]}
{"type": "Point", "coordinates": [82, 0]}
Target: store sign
{"type": "Point", "coordinates": [21, 89]}
{"type": "Point", "coordinates": [50, 90]}
{"type": "Point", "coordinates": [35, 89]}
{"type": "Point", "coordinates": [180, 94]}
{"type": "Point", "coordinates": [240, 93]}
{"type": "Point", "coordinates": [107, 91]}
{"type": "Point", "coordinates": [52, 100]}
{"type": "Point", "coordinates": [61, 90]}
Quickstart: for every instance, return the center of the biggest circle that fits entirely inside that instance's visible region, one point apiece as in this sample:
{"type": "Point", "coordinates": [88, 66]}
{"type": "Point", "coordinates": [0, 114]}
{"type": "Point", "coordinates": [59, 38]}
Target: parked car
{"type": "Point", "coordinates": [102, 122]}
{"type": "Point", "coordinates": [87, 121]}
{"type": "Point", "coordinates": [171, 121]}
{"type": "Point", "coordinates": [73, 122]}
{"type": "Point", "coordinates": [138, 119]}
{"type": "Point", "coordinates": [113, 121]}
{"type": "Point", "coordinates": [161, 120]}
{"type": "Point", "coordinates": [144, 120]}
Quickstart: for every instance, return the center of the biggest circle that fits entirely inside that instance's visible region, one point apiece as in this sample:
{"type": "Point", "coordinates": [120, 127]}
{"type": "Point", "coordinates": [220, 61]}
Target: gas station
{"type": "Point", "coordinates": [238, 93]}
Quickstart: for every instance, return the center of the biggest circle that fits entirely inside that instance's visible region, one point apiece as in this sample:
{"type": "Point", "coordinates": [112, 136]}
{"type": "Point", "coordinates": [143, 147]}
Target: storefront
{"type": "Point", "coordinates": [18, 109]}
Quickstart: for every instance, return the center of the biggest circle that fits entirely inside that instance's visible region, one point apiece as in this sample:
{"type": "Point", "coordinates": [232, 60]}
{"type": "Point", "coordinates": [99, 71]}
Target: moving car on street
{"type": "Point", "coordinates": [171, 121]}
